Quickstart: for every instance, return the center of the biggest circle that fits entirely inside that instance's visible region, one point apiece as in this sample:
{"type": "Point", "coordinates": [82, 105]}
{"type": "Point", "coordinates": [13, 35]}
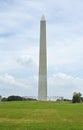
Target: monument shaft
{"type": "Point", "coordinates": [42, 86]}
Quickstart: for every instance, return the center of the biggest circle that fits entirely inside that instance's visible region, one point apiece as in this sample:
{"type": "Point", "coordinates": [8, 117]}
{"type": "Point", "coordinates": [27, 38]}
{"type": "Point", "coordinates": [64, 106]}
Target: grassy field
{"type": "Point", "coordinates": [34, 115]}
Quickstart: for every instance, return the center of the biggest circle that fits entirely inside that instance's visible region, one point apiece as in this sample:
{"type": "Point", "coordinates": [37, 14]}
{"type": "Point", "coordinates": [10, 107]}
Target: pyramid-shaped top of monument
{"type": "Point", "coordinates": [43, 18]}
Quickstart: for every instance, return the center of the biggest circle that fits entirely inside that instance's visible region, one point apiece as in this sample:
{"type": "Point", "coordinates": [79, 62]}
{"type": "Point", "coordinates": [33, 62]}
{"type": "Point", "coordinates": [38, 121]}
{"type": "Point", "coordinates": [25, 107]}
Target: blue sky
{"type": "Point", "coordinates": [19, 46]}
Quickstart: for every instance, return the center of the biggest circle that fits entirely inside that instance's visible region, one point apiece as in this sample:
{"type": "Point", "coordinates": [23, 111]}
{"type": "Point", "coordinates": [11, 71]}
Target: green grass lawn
{"type": "Point", "coordinates": [35, 115]}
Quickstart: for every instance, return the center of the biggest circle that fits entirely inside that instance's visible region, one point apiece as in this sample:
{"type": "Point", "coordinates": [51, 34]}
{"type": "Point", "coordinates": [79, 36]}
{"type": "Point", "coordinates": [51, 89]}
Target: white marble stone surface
{"type": "Point", "coordinates": [42, 83]}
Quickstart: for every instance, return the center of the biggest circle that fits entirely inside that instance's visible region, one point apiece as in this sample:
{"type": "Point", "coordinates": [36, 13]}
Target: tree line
{"type": "Point", "coordinates": [77, 98]}
{"type": "Point", "coordinates": [16, 98]}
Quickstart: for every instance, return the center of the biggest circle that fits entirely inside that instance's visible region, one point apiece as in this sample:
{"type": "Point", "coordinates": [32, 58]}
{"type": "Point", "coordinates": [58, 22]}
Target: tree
{"type": "Point", "coordinates": [14, 98]}
{"type": "Point", "coordinates": [77, 97]}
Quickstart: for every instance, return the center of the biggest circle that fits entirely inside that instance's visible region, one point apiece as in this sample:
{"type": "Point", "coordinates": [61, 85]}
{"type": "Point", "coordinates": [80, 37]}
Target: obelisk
{"type": "Point", "coordinates": [42, 83]}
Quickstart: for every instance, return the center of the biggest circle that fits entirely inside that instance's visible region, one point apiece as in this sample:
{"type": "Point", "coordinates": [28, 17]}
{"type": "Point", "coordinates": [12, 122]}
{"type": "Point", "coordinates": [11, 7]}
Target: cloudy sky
{"type": "Point", "coordinates": [19, 46]}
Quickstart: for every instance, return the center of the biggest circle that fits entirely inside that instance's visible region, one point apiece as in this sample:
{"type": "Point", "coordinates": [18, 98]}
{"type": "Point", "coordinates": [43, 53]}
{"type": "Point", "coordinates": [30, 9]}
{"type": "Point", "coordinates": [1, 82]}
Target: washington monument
{"type": "Point", "coordinates": [42, 83]}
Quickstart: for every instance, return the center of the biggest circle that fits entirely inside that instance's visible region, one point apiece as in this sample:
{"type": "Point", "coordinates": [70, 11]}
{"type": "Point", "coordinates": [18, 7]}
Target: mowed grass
{"type": "Point", "coordinates": [35, 115]}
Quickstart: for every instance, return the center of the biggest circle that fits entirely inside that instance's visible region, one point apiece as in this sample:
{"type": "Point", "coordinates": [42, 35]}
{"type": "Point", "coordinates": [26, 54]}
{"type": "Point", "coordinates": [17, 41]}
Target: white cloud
{"type": "Point", "coordinates": [26, 61]}
{"type": "Point", "coordinates": [9, 85]}
{"type": "Point", "coordinates": [61, 84]}
{"type": "Point", "coordinates": [8, 79]}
